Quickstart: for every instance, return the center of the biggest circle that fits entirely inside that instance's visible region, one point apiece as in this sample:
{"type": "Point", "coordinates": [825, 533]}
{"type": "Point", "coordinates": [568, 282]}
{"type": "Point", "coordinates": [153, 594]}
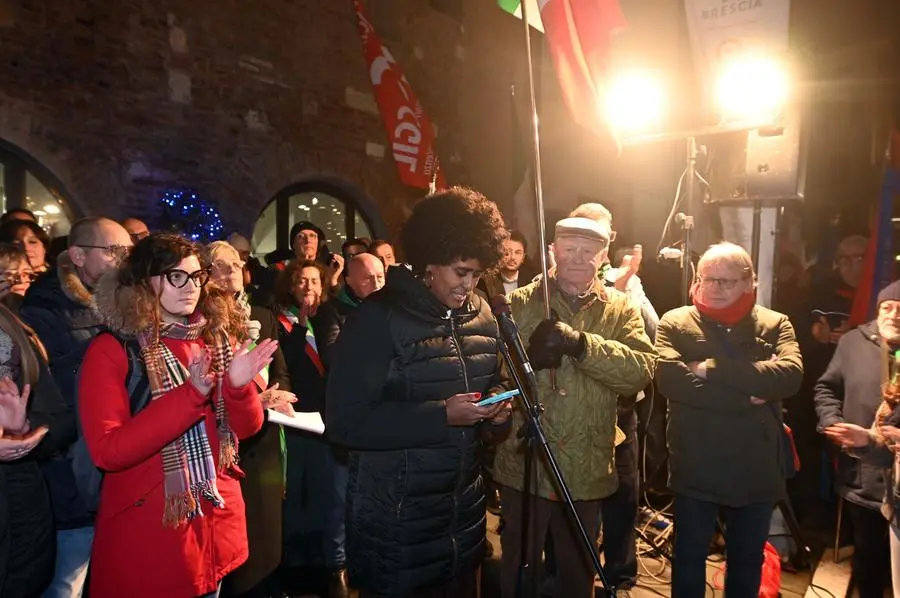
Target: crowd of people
{"type": "Point", "coordinates": [139, 372]}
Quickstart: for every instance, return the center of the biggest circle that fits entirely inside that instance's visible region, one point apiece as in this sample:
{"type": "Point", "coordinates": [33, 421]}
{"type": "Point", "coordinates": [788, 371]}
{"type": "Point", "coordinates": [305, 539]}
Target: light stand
{"type": "Point", "coordinates": [687, 221]}
{"type": "Point", "coordinates": [532, 432]}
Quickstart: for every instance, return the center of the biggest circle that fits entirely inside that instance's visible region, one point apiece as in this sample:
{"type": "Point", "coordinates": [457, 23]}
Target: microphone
{"type": "Point", "coordinates": [509, 332]}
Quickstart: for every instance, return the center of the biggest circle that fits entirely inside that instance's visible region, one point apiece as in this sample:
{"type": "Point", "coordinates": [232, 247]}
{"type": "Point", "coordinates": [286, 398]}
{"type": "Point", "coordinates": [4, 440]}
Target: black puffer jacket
{"type": "Point", "coordinates": [416, 513]}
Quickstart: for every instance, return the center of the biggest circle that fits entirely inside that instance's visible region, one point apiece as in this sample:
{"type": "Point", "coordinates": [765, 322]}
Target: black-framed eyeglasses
{"type": "Point", "coordinates": [179, 278]}
{"type": "Point", "coordinates": [726, 284]}
{"type": "Point", "coordinates": [119, 252]}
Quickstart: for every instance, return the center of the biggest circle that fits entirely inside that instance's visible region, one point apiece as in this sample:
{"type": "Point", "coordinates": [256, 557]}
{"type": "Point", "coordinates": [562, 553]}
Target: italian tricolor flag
{"type": "Point", "coordinates": [579, 35]}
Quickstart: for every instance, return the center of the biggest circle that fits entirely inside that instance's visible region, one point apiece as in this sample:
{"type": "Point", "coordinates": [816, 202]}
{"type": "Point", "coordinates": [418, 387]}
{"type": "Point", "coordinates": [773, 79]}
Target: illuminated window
{"type": "Point", "coordinates": [339, 217]}
{"type": "Point", "coordinates": [24, 183]}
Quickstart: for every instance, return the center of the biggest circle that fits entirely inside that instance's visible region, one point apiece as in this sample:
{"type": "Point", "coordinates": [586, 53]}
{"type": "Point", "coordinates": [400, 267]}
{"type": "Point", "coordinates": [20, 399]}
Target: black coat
{"type": "Point", "coordinates": [329, 321]}
{"type": "Point", "coordinates": [306, 380]}
{"type": "Point", "coordinates": [850, 391]}
{"type": "Point", "coordinates": [415, 501]}
{"type": "Point", "coordinates": [58, 308]}
{"type": "Point", "coordinates": [27, 533]}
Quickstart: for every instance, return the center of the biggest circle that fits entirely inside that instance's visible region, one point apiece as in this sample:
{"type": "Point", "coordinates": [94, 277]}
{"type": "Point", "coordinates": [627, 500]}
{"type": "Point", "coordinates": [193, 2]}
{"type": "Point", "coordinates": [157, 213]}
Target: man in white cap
{"type": "Point", "coordinates": [595, 341]}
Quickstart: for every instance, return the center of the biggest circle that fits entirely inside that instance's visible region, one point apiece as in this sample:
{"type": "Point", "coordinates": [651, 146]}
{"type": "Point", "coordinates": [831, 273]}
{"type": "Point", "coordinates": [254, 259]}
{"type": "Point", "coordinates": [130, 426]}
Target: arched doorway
{"type": "Point", "coordinates": [26, 183]}
{"type": "Point", "coordinates": [334, 206]}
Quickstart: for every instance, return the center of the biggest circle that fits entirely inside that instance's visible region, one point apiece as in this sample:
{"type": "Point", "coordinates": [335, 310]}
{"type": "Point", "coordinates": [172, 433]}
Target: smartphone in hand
{"type": "Point", "coordinates": [503, 396]}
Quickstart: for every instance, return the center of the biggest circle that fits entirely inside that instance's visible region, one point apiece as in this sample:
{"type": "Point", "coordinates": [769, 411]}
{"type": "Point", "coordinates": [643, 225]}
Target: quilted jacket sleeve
{"type": "Point", "coordinates": [625, 363]}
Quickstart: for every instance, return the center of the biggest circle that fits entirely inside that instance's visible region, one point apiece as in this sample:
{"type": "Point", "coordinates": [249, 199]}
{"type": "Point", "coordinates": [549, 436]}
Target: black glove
{"type": "Point", "coordinates": [550, 341]}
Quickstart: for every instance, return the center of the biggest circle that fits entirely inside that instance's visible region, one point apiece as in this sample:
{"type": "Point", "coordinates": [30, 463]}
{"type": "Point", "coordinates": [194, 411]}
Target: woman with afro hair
{"type": "Point", "coordinates": [409, 368]}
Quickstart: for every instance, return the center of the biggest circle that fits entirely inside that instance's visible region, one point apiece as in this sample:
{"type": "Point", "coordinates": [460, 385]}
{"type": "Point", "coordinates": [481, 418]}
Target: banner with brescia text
{"type": "Point", "coordinates": [409, 130]}
{"type": "Point", "coordinates": [720, 28]}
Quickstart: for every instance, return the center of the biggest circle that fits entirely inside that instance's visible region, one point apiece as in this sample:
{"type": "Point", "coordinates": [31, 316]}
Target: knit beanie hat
{"type": "Point", "coordinates": [305, 225]}
{"type": "Point", "coordinates": [890, 292]}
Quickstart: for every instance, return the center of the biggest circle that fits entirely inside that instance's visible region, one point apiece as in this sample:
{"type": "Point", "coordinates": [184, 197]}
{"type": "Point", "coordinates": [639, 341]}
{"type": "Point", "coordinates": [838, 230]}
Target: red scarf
{"type": "Point", "coordinates": [728, 316]}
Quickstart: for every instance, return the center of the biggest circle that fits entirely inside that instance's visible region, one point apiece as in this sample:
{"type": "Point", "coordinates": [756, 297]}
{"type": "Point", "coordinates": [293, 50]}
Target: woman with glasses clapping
{"type": "Point", "coordinates": [171, 517]}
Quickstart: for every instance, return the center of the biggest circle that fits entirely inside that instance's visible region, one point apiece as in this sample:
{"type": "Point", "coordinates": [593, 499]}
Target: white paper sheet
{"type": "Point", "coordinates": [311, 422]}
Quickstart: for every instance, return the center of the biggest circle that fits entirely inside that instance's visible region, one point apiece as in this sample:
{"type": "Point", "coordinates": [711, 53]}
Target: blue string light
{"type": "Point", "coordinates": [185, 213]}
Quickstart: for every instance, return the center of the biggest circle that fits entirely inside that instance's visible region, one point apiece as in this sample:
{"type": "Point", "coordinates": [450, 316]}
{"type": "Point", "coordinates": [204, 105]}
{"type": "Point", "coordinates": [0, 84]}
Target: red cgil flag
{"type": "Point", "coordinates": [408, 127]}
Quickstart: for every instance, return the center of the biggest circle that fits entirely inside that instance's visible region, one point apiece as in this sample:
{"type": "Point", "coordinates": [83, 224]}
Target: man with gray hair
{"type": "Point", "coordinates": [595, 341]}
{"type": "Point", "coordinates": [725, 365]}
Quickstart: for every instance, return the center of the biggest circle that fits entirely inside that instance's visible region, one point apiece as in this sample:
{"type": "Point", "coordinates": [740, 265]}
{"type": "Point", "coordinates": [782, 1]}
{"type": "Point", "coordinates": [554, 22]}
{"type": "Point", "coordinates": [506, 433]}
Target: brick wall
{"type": "Point", "coordinates": [121, 100]}
{"type": "Point", "coordinates": [238, 99]}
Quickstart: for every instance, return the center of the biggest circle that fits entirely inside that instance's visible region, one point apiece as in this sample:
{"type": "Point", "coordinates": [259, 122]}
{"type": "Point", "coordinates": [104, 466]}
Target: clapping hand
{"type": "Point", "coordinates": [631, 264]}
{"type": "Point", "coordinates": [200, 368]}
{"type": "Point", "coordinates": [279, 400]}
{"type": "Point", "coordinates": [14, 447]}
{"type": "Point", "coordinates": [13, 406]}
{"type": "Point", "coordinates": [247, 362]}
{"type": "Point", "coordinates": [892, 435]}
{"type": "Point", "coordinates": [847, 435]}
{"type": "Point", "coordinates": [336, 267]}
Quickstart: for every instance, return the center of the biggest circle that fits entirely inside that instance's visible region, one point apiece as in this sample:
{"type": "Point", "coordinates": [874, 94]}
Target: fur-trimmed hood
{"type": "Point", "coordinates": [61, 291]}
{"type": "Point", "coordinates": [117, 307]}
{"type": "Point", "coordinates": [71, 284]}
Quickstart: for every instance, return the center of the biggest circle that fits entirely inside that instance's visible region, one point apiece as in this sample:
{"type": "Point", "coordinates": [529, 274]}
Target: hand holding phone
{"type": "Point", "coordinates": [503, 396]}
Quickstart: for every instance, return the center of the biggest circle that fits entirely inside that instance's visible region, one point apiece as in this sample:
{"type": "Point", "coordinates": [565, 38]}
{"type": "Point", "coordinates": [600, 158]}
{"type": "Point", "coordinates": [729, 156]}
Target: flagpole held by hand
{"type": "Point", "coordinates": [536, 170]}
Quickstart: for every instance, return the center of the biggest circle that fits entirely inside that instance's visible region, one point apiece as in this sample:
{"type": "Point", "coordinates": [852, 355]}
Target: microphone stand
{"type": "Point", "coordinates": [532, 433]}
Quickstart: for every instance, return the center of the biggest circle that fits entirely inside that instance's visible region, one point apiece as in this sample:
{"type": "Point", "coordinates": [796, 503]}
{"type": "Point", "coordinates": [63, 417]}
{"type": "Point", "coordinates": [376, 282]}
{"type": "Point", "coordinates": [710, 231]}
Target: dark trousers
{"type": "Point", "coordinates": [575, 571]}
{"type": "Point", "coordinates": [746, 532]}
{"type": "Point", "coordinates": [464, 586]}
{"type": "Point", "coordinates": [871, 571]}
{"type": "Point", "coordinates": [619, 512]}
{"type": "Point", "coordinates": [308, 501]}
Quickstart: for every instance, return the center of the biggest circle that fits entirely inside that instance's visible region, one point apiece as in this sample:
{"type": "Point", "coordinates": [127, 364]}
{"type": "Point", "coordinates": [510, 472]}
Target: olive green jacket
{"type": "Point", "coordinates": [618, 360]}
{"type": "Point", "coordinates": [722, 447]}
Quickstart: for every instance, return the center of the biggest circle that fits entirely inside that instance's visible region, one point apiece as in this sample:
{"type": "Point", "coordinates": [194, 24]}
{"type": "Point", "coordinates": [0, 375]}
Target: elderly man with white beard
{"type": "Point", "coordinates": [850, 392]}
{"type": "Point", "coordinates": [596, 343]}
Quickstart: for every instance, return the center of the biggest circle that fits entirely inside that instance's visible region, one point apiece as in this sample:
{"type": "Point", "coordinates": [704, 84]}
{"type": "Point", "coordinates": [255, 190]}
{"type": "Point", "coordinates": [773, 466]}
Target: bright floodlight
{"type": "Point", "coordinates": [634, 102]}
{"type": "Point", "coordinates": [752, 88]}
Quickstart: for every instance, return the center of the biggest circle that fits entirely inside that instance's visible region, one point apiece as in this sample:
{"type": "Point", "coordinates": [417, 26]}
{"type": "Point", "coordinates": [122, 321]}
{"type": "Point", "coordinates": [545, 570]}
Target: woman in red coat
{"type": "Point", "coordinates": [171, 517]}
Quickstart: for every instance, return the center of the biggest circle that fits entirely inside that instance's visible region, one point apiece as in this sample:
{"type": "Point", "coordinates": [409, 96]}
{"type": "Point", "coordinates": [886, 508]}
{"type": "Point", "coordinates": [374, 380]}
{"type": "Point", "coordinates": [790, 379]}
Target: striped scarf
{"type": "Point", "coordinates": [189, 470]}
